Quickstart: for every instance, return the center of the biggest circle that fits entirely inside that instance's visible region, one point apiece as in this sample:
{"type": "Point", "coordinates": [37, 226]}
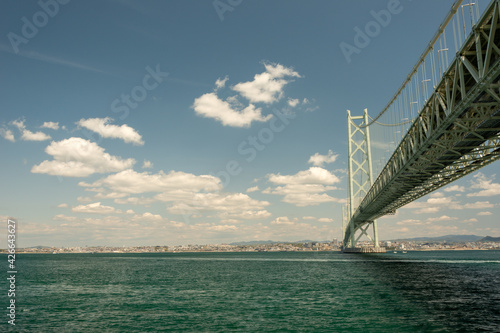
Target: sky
{"type": "Point", "coordinates": [127, 123]}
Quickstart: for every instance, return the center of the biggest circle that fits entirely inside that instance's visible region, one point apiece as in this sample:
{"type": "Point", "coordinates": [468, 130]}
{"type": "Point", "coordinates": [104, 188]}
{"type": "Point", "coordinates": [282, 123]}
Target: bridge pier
{"type": "Point", "coordinates": [360, 181]}
{"type": "Point", "coordinates": [364, 250]}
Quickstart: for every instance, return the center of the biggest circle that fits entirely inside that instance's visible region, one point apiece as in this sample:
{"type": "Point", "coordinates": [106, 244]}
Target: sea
{"type": "Point", "coordinates": [438, 291]}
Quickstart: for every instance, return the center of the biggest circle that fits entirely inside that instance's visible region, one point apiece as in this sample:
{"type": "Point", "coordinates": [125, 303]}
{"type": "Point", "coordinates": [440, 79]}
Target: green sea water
{"type": "Point", "coordinates": [445, 291]}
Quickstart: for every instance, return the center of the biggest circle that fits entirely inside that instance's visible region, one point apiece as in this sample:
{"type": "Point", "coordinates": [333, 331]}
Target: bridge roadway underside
{"type": "Point", "coordinates": [456, 133]}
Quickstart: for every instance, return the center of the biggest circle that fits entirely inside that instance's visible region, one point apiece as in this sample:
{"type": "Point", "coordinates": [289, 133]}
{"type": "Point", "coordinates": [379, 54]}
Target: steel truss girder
{"type": "Point", "coordinates": [456, 133]}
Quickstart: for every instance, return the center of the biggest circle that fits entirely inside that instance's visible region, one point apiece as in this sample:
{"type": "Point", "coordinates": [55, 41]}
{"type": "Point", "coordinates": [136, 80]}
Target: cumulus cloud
{"type": "Point", "coordinates": [147, 164]}
{"type": "Point", "coordinates": [211, 106]}
{"type": "Point", "coordinates": [93, 208]}
{"type": "Point", "coordinates": [77, 157]}
{"type": "Point", "coordinates": [7, 134]}
{"type": "Point", "coordinates": [441, 218]}
{"type": "Point", "coordinates": [454, 188]}
{"type": "Point", "coordinates": [224, 227]}
{"type": "Point", "coordinates": [313, 175]}
{"type": "Point", "coordinates": [184, 193]}
{"type": "Point", "coordinates": [232, 205]}
{"type": "Point", "coordinates": [110, 195]}
{"type": "Point", "coordinates": [252, 189]}
{"type": "Point", "coordinates": [133, 182]}
{"type": "Point", "coordinates": [305, 188]}
{"type": "Point", "coordinates": [147, 217]}
{"type": "Point", "coordinates": [137, 201]}
{"type": "Point", "coordinates": [62, 217]}
{"type": "Point", "coordinates": [221, 83]}
{"type": "Point", "coordinates": [27, 135]}
{"type": "Point", "coordinates": [84, 199]}
{"type": "Point", "coordinates": [102, 127]}
{"type": "Point", "coordinates": [267, 87]}
{"type": "Point", "coordinates": [487, 187]}
{"type": "Point", "coordinates": [479, 205]}
{"type": "Point", "coordinates": [285, 220]}
{"type": "Point", "coordinates": [434, 204]}
{"type": "Point", "coordinates": [319, 160]}
{"type": "Point", "coordinates": [51, 125]}
{"type": "Point", "coordinates": [293, 102]}
{"type": "Point", "coordinates": [409, 222]}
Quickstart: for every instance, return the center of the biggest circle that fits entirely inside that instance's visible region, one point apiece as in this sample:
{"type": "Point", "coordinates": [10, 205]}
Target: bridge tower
{"type": "Point", "coordinates": [360, 180]}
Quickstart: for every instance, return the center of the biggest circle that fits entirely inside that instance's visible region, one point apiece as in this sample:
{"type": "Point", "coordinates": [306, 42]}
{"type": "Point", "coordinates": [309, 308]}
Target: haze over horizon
{"type": "Point", "coordinates": [166, 123]}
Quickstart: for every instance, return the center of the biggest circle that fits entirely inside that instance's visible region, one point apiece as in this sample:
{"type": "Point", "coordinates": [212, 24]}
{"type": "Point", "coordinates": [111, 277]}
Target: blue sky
{"type": "Point", "coordinates": [193, 122]}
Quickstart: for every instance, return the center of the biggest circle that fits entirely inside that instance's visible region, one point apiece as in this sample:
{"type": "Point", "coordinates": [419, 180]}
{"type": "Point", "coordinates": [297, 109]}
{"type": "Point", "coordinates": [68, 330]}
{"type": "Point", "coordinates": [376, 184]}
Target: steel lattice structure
{"type": "Point", "coordinates": [456, 133]}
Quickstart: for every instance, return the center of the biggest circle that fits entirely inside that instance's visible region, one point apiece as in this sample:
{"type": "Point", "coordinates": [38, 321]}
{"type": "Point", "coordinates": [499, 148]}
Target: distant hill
{"type": "Point", "coordinates": [490, 239]}
{"type": "Point", "coordinates": [447, 239]}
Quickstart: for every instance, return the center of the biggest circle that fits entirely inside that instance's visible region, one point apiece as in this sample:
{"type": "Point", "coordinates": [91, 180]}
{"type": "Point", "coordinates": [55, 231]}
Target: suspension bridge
{"type": "Point", "coordinates": [442, 124]}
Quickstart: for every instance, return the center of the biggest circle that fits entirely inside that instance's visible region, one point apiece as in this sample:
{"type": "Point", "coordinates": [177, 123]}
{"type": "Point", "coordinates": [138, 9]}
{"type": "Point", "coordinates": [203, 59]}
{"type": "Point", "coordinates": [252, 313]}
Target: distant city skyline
{"type": "Point", "coordinates": [165, 123]}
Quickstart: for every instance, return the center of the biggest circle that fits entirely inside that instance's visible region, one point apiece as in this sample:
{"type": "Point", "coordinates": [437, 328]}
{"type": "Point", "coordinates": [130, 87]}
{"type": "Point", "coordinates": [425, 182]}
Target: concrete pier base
{"type": "Point", "coordinates": [364, 250]}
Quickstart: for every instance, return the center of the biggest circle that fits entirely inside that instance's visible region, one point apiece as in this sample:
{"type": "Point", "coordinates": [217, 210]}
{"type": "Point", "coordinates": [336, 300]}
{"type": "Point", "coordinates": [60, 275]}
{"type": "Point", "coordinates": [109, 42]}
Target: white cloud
{"type": "Point", "coordinates": [84, 199]}
{"type": "Point", "coordinates": [93, 208]}
{"type": "Point", "coordinates": [34, 136]}
{"type": "Point", "coordinates": [101, 127]}
{"type": "Point", "coordinates": [224, 227]}
{"type": "Point", "coordinates": [130, 181]}
{"type": "Point", "coordinates": [252, 189]}
{"type": "Point", "coordinates": [488, 188]}
{"type": "Point", "coordinates": [147, 217]}
{"type": "Point", "coordinates": [293, 102]}
{"type": "Point", "coordinates": [409, 222]}
{"type": "Point", "coordinates": [62, 217]}
{"type": "Point", "coordinates": [233, 205]}
{"type": "Point", "coordinates": [63, 205]}
{"type": "Point", "coordinates": [283, 220]}
{"type": "Point", "coordinates": [27, 135]}
{"type": "Point", "coordinates": [434, 204]}
{"type": "Point", "coordinates": [484, 213]}
{"type": "Point", "coordinates": [479, 205]}
{"type": "Point", "coordinates": [454, 188]}
{"type": "Point", "coordinates": [147, 164]}
{"type": "Point", "coordinates": [267, 87]}
{"type": "Point", "coordinates": [185, 193]}
{"type": "Point", "coordinates": [221, 83]}
{"type": "Point", "coordinates": [325, 220]}
{"type": "Point", "coordinates": [314, 175]}
{"type": "Point", "coordinates": [210, 106]}
{"type": "Point", "coordinates": [7, 134]}
{"type": "Point", "coordinates": [441, 218]}
{"type": "Point", "coordinates": [51, 125]}
{"type": "Point", "coordinates": [110, 195]}
{"type": "Point", "coordinates": [428, 210]}
{"type": "Point", "coordinates": [77, 157]}
{"type": "Point", "coordinates": [319, 160]}
{"type": "Point", "coordinates": [305, 188]}
{"type": "Point", "coordinates": [471, 220]}
{"type": "Point", "coordinates": [140, 201]}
